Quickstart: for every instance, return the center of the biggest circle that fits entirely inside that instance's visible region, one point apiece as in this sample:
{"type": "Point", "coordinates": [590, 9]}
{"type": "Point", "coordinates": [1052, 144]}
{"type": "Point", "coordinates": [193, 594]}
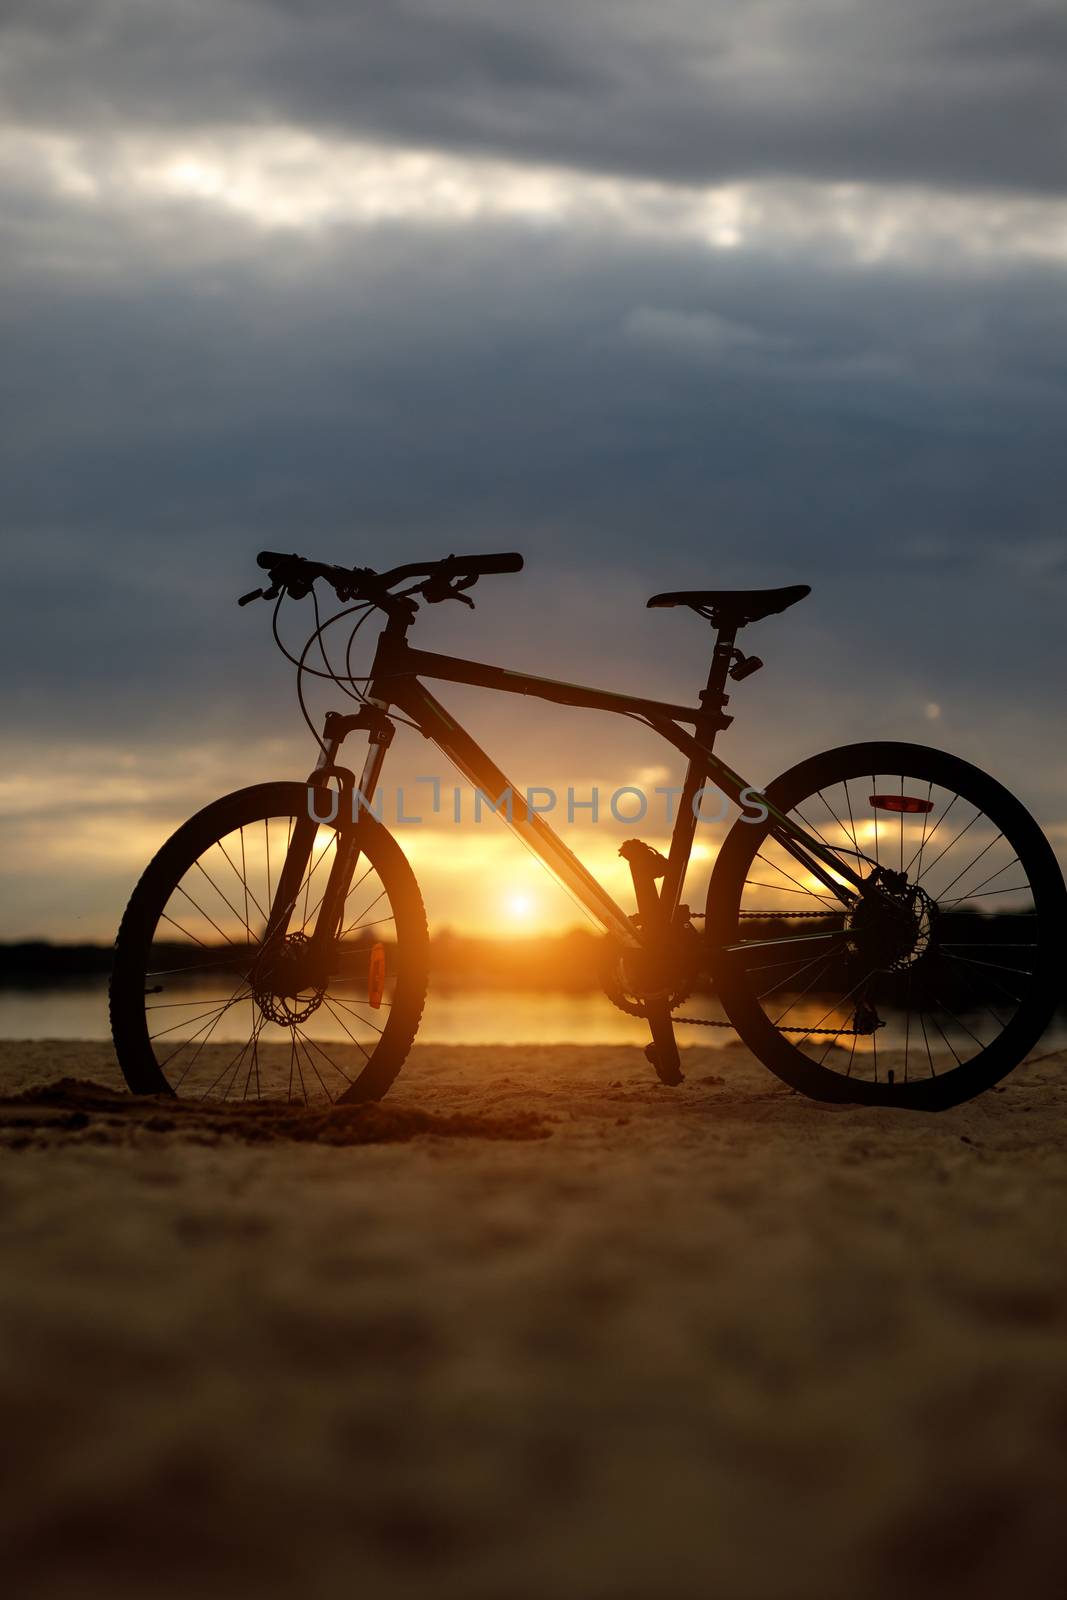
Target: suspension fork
{"type": "Point", "coordinates": [329, 927]}
{"type": "Point", "coordinates": [299, 853]}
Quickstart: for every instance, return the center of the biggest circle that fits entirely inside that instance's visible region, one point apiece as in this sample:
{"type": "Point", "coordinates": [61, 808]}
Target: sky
{"type": "Point", "coordinates": [678, 296]}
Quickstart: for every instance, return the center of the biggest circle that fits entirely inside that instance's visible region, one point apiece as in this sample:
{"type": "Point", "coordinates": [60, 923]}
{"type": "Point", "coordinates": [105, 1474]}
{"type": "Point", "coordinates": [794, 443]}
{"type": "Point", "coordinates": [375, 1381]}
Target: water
{"type": "Point", "coordinates": [466, 1016]}
{"type": "Point", "coordinates": [498, 1016]}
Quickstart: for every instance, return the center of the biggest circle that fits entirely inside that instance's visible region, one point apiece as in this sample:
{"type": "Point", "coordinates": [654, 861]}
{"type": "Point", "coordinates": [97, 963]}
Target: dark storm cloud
{"type": "Point", "coordinates": [634, 410]}
{"type": "Point", "coordinates": [958, 93]}
{"type": "Point", "coordinates": [632, 416]}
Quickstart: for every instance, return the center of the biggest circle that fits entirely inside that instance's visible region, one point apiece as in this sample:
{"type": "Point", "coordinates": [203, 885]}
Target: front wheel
{"type": "Point", "coordinates": [935, 979]}
{"type": "Point", "coordinates": [204, 1005]}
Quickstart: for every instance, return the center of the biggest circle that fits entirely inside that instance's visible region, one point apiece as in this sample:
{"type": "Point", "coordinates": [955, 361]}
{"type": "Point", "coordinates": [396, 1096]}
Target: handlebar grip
{"type": "Point", "coordinates": [504, 561]}
{"type": "Point", "coordinates": [272, 558]}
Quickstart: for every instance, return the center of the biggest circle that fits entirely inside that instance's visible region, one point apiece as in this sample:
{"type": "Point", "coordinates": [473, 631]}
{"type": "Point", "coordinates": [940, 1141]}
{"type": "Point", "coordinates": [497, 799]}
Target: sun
{"type": "Point", "coordinates": [519, 905]}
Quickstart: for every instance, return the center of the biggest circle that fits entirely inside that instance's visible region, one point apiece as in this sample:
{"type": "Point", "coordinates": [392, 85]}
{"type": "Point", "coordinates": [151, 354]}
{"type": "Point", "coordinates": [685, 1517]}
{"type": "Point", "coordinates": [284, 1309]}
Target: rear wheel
{"type": "Point", "coordinates": [943, 971]}
{"type": "Point", "coordinates": [202, 1007]}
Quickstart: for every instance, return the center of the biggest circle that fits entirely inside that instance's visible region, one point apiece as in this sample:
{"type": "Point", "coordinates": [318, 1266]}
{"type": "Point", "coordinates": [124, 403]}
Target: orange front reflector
{"type": "Point", "coordinates": [900, 802]}
{"type": "Point", "coordinates": [376, 976]}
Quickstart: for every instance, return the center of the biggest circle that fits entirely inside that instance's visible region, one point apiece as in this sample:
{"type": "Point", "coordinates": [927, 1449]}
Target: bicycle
{"type": "Point", "coordinates": [882, 922]}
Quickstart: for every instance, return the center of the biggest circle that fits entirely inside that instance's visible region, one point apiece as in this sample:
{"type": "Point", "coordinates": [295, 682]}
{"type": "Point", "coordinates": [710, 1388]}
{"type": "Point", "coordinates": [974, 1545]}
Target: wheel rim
{"type": "Point", "coordinates": [228, 1019]}
{"type": "Point", "coordinates": [939, 973]}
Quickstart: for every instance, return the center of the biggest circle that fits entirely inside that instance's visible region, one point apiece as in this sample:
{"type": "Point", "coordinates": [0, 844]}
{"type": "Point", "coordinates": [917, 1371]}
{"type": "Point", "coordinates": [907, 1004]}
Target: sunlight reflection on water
{"type": "Point", "coordinates": [457, 1017]}
{"type": "Point", "coordinates": [466, 1016]}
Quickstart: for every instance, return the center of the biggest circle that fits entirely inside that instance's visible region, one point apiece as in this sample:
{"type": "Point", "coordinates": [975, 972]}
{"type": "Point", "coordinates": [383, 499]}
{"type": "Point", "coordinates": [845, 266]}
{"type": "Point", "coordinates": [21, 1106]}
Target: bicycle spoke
{"type": "Point", "coordinates": [851, 818]}
{"type": "Point", "coordinates": [191, 936]}
{"type": "Point", "coordinates": [1016, 888]}
{"type": "Point", "coordinates": [848, 831]}
{"type": "Point", "coordinates": [974, 863]}
{"type": "Point", "coordinates": [821, 956]}
{"type": "Point", "coordinates": [172, 1005]}
{"type": "Point", "coordinates": [243, 920]}
{"type": "Point", "coordinates": [379, 922]}
{"type": "Point", "coordinates": [266, 839]}
{"type": "Point", "coordinates": [874, 790]}
{"type": "Point", "coordinates": [242, 878]}
{"type": "Point", "coordinates": [244, 874]}
{"type": "Point", "coordinates": [254, 1062]}
{"type": "Point", "coordinates": [813, 829]}
{"type": "Point", "coordinates": [950, 846]}
{"type": "Point", "coordinates": [196, 1053]}
{"type": "Point", "coordinates": [926, 823]}
{"type": "Point", "coordinates": [292, 1063]}
{"type": "Point", "coordinates": [359, 920]}
{"type": "Point", "coordinates": [235, 1063]}
{"type": "Point", "coordinates": [946, 1038]}
{"type": "Point", "coordinates": [851, 1056]}
{"type": "Point", "coordinates": [307, 1042]}
{"type": "Point", "coordinates": [186, 1021]}
{"type": "Point", "coordinates": [902, 823]}
{"type": "Point", "coordinates": [814, 895]}
{"type": "Point", "coordinates": [780, 1019]}
{"type": "Point", "coordinates": [776, 888]}
{"type": "Point", "coordinates": [983, 1003]}
{"type": "Point", "coordinates": [337, 1001]}
{"type": "Point", "coordinates": [933, 831]}
{"type": "Point", "coordinates": [201, 966]}
{"type": "Point", "coordinates": [964, 959]}
{"type": "Point", "coordinates": [182, 890]}
{"type": "Point", "coordinates": [341, 1021]}
{"type": "Point", "coordinates": [994, 966]}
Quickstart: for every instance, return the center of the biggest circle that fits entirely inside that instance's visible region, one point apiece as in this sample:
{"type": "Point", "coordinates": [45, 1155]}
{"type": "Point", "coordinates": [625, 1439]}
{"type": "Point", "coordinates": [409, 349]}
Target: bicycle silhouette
{"type": "Point", "coordinates": [881, 924]}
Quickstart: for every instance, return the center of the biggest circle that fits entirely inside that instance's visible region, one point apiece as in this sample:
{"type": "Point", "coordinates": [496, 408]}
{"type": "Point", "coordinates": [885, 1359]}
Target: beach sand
{"type": "Point", "coordinates": [534, 1327]}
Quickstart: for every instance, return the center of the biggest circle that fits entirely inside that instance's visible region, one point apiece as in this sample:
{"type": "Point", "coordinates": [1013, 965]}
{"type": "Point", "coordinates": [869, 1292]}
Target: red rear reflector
{"type": "Point", "coordinates": [900, 802]}
{"type": "Point", "coordinates": [376, 976]}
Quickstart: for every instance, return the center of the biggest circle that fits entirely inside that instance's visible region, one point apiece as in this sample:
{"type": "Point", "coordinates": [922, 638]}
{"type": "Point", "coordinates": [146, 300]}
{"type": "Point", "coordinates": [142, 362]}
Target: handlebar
{"type": "Point", "coordinates": [445, 578]}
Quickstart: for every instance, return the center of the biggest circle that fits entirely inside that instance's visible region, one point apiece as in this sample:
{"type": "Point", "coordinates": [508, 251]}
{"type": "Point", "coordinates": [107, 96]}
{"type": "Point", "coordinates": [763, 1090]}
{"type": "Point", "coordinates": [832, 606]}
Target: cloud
{"type": "Point", "coordinates": [611, 401]}
{"type": "Point", "coordinates": [949, 93]}
{"type": "Point", "coordinates": [665, 297]}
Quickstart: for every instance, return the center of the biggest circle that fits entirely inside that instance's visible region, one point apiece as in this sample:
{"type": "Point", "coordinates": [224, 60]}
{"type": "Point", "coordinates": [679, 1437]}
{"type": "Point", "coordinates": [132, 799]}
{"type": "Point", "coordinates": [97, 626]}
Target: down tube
{"type": "Point", "coordinates": [476, 766]}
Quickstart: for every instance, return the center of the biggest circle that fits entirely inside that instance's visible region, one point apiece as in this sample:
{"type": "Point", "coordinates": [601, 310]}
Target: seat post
{"type": "Point", "coordinates": [714, 698]}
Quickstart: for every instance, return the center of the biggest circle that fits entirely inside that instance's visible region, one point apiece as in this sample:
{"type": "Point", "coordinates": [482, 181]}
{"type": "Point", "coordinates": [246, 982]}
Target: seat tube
{"type": "Point", "coordinates": [713, 702]}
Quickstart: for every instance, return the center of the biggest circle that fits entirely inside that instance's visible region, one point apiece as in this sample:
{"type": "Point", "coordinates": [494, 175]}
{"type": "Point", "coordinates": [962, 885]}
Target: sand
{"type": "Point", "coordinates": [535, 1326]}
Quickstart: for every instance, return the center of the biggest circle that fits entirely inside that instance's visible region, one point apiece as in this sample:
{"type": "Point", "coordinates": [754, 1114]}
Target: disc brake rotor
{"type": "Point", "coordinates": [280, 985]}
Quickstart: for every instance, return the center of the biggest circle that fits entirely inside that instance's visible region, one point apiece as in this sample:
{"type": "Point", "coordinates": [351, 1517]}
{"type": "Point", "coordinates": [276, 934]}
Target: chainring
{"type": "Point", "coordinates": [612, 981]}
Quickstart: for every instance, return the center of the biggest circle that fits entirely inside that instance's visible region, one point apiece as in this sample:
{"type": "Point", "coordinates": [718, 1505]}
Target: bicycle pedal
{"type": "Point", "coordinates": [671, 1076]}
{"type": "Point", "coordinates": [636, 851]}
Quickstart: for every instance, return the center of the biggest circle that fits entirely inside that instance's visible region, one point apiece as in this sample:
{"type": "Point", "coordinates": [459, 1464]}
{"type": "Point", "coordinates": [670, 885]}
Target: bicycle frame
{"type": "Point", "coordinates": [395, 683]}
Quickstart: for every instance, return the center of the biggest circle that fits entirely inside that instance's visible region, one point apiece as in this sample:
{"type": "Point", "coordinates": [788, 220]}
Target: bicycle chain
{"type": "Point", "coordinates": [633, 1010]}
{"type": "Point", "coordinates": [776, 916]}
{"type": "Point", "coordinates": [707, 1022]}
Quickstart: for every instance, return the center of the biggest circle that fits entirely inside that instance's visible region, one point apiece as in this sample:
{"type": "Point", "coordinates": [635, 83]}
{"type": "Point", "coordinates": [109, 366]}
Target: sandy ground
{"type": "Point", "coordinates": [536, 1326]}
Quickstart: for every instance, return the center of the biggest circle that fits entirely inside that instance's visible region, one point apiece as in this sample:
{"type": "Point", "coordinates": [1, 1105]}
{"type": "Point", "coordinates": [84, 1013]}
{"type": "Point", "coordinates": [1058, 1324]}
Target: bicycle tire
{"type": "Point", "coordinates": [138, 1054]}
{"type": "Point", "coordinates": [738, 987]}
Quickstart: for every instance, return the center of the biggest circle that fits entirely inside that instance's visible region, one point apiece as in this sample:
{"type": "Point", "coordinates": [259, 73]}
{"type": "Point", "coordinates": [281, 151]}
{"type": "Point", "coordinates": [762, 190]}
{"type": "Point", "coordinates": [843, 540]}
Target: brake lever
{"type": "Point", "coordinates": [259, 594]}
{"type": "Point", "coordinates": [439, 589]}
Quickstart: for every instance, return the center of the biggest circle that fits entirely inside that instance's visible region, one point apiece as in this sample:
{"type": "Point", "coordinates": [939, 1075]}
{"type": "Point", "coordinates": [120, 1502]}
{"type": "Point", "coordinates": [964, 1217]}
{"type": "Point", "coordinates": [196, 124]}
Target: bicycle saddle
{"type": "Point", "coordinates": [734, 607]}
